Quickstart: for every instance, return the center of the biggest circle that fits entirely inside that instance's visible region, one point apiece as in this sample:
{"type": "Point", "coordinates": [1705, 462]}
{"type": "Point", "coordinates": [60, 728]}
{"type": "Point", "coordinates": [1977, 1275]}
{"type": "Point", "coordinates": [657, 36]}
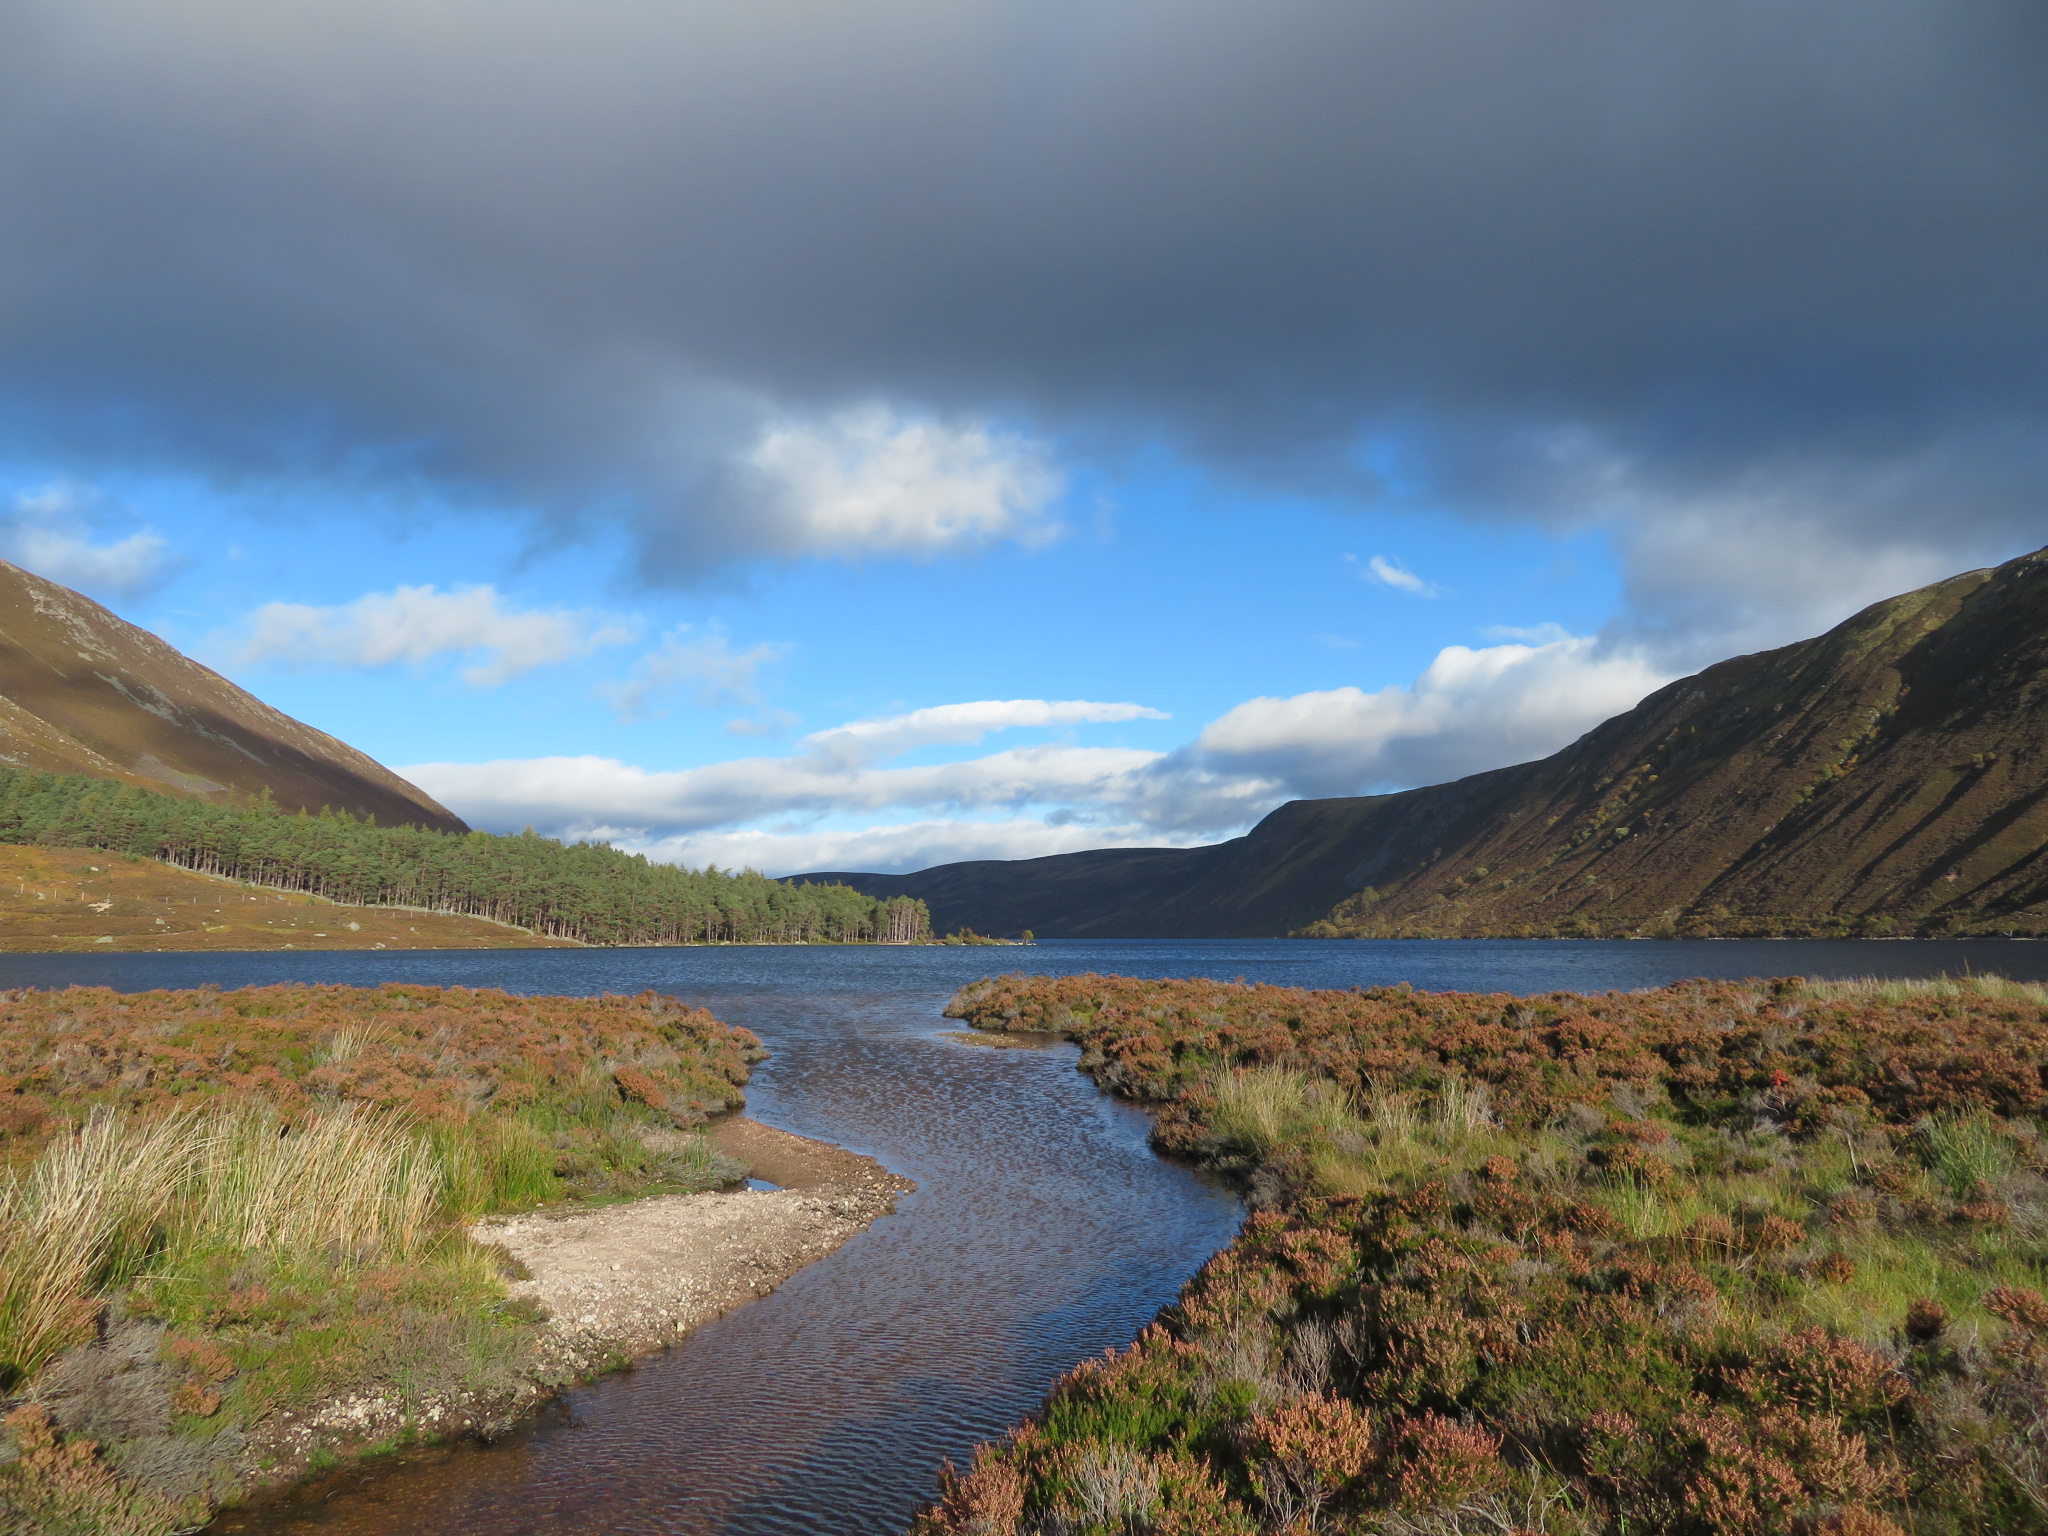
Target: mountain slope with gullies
{"type": "Point", "coordinates": [1889, 776]}
{"type": "Point", "coordinates": [85, 692]}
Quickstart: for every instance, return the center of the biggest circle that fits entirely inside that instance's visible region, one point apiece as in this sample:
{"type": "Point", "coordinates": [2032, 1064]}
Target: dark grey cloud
{"type": "Point", "coordinates": [1706, 269]}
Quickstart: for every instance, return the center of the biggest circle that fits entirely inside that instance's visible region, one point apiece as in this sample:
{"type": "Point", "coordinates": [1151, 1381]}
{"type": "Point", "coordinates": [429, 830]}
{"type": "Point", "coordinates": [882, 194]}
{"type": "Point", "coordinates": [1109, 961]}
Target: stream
{"type": "Point", "coordinates": [1043, 1230]}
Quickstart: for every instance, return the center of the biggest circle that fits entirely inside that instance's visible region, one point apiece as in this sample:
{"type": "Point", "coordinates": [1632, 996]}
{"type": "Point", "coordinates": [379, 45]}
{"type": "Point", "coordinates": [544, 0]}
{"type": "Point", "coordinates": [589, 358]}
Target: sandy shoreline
{"type": "Point", "coordinates": [623, 1281]}
{"type": "Point", "coordinates": [628, 1279]}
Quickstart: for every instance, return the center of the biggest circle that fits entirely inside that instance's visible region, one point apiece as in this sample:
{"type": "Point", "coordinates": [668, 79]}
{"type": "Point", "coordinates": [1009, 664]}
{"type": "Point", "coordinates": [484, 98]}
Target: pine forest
{"type": "Point", "coordinates": [583, 891]}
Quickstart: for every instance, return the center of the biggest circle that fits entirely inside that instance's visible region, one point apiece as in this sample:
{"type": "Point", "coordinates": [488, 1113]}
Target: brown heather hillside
{"type": "Point", "coordinates": [84, 692]}
{"type": "Point", "coordinates": [89, 899]}
{"type": "Point", "coordinates": [1886, 777]}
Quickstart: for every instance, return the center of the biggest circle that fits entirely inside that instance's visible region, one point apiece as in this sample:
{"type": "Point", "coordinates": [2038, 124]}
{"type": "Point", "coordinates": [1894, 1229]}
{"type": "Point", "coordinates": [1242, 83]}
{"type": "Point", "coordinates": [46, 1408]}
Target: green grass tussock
{"type": "Point", "coordinates": [1940, 989]}
{"type": "Point", "coordinates": [87, 1212]}
{"type": "Point", "coordinates": [1715, 1260]}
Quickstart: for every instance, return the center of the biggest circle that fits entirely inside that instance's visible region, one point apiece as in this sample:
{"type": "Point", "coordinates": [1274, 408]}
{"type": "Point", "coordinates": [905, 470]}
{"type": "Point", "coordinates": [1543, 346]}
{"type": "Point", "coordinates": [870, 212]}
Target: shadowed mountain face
{"type": "Point", "coordinates": [1887, 777]}
{"type": "Point", "coordinates": [82, 691]}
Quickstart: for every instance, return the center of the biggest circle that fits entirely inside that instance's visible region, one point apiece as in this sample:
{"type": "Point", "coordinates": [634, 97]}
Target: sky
{"type": "Point", "coordinates": [819, 437]}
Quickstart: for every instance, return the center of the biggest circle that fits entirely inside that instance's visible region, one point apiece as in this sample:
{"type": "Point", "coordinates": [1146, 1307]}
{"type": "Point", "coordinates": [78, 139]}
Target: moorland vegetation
{"type": "Point", "coordinates": [1714, 1260]}
{"type": "Point", "coordinates": [222, 1210]}
{"type": "Point", "coordinates": [588, 892]}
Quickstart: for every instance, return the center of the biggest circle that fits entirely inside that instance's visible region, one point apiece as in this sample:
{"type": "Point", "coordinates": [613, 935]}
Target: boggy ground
{"type": "Point", "coordinates": [89, 899]}
{"type": "Point", "coordinates": [1715, 1260]}
{"type": "Point", "coordinates": [235, 1226]}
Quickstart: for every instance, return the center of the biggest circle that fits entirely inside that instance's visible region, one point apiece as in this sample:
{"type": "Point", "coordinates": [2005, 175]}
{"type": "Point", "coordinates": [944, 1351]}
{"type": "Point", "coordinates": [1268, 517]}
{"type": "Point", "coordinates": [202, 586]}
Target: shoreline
{"type": "Point", "coordinates": [627, 1280]}
{"type": "Point", "coordinates": [614, 1284]}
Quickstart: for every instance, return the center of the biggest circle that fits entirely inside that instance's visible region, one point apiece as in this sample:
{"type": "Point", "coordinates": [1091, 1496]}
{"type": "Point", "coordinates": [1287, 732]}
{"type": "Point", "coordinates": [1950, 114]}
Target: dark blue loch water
{"type": "Point", "coordinates": [1042, 1230]}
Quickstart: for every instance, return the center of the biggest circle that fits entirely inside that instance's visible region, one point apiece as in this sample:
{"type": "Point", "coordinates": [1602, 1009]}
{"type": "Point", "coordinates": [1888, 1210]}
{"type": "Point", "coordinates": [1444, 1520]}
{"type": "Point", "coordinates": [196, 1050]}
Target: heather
{"type": "Point", "coordinates": [589, 892]}
{"type": "Point", "coordinates": [1708, 1260]}
{"type": "Point", "coordinates": [220, 1210]}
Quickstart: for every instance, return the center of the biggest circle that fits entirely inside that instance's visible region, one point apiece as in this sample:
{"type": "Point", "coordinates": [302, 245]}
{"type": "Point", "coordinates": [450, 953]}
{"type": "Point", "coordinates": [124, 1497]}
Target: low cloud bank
{"type": "Point", "coordinates": [841, 801]}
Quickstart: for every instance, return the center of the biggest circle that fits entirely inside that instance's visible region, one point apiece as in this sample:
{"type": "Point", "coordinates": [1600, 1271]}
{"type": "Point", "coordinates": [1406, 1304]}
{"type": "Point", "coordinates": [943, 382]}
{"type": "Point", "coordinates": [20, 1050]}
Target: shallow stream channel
{"type": "Point", "coordinates": [1042, 1231]}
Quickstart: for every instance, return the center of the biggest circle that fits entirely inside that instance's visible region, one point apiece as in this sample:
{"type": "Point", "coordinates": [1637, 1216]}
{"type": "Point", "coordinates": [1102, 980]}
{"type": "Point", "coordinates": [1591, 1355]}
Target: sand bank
{"type": "Point", "coordinates": [625, 1279]}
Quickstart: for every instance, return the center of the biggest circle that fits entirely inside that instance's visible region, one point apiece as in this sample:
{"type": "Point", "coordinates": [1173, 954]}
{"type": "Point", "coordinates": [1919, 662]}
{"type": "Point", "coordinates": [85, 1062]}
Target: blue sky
{"type": "Point", "coordinates": [828, 438]}
{"type": "Point", "coordinates": [1159, 593]}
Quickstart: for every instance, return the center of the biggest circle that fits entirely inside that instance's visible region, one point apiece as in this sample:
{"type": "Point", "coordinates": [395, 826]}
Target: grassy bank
{"type": "Point", "coordinates": [84, 899]}
{"type": "Point", "coordinates": [221, 1213]}
{"type": "Point", "coordinates": [1710, 1260]}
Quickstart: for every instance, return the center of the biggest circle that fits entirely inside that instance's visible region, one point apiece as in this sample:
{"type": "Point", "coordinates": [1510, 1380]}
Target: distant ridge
{"type": "Point", "coordinates": [85, 692]}
{"type": "Point", "coordinates": [1888, 777]}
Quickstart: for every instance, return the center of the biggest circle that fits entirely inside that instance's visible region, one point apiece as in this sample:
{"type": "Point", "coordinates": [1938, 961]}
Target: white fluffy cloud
{"type": "Point", "coordinates": [1391, 573]}
{"type": "Point", "coordinates": [888, 736]}
{"type": "Point", "coordinates": [1470, 710]}
{"type": "Point", "coordinates": [420, 625]}
{"type": "Point", "coordinates": [839, 802]}
{"type": "Point", "coordinates": [870, 480]}
{"type": "Point", "coordinates": [707, 666]}
{"type": "Point", "coordinates": [602, 797]}
{"type": "Point", "coordinates": [51, 532]}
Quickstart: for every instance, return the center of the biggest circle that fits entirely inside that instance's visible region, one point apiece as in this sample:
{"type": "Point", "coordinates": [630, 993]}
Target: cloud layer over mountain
{"type": "Point", "coordinates": [1470, 710]}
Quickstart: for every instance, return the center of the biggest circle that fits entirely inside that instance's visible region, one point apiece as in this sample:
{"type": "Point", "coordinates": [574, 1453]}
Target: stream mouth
{"type": "Point", "coordinates": [1042, 1232]}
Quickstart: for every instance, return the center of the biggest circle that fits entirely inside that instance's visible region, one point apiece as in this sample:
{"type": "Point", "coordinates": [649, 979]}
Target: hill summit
{"type": "Point", "coordinates": [85, 692]}
{"type": "Point", "coordinates": [1887, 777]}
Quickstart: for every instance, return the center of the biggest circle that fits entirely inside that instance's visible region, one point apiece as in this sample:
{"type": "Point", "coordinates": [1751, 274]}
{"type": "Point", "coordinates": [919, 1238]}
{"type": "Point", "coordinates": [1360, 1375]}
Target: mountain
{"type": "Point", "coordinates": [1889, 776]}
{"type": "Point", "coordinates": [84, 692]}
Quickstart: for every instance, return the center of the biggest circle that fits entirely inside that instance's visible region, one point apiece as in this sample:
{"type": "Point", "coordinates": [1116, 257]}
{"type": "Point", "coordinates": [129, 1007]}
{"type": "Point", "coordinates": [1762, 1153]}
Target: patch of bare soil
{"type": "Point", "coordinates": [627, 1279]}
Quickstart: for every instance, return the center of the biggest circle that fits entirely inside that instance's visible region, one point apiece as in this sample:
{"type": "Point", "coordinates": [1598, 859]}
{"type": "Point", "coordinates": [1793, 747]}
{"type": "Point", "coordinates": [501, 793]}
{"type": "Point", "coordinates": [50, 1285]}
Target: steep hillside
{"type": "Point", "coordinates": [84, 692]}
{"type": "Point", "coordinates": [1886, 777]}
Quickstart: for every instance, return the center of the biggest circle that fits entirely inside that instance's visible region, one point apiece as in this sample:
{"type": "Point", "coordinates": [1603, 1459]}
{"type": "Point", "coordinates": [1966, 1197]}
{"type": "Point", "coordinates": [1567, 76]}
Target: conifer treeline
{"type": "Point", "coordinates": [583, 891]}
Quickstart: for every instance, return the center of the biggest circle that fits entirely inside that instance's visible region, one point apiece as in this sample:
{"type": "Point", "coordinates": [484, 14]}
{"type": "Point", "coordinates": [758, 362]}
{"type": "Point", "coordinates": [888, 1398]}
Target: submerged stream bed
{"type": "Point", "coordinates": [1042, 1232]}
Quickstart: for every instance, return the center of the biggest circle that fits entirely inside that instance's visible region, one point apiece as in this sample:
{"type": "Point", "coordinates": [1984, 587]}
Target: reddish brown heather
{"type": "Point", "coordinates": [439, 1054]}
{"type": "Point", "coordinates": [1706, 1043]}
{"type": "Point", "coordinates": [1489, 1341]}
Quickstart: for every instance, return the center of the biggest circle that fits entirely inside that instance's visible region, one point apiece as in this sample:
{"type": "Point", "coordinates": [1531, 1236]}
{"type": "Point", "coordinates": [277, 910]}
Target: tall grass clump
{"type": "Point", "coordinates": [1968, 1153]}
{"type": "Point", "coordinates": [495, 1165]}
{"type": "Point", "coordinates": [1265, 1108]}
{"type": "Point", "coordinates": [1939, 989]}
{"type": "Point", "coordinates": [86, 1214]}
{"type": "Point", "coordinates": [350, 1183]}
{"type": "Point", "coordinates": [103, 1204]}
